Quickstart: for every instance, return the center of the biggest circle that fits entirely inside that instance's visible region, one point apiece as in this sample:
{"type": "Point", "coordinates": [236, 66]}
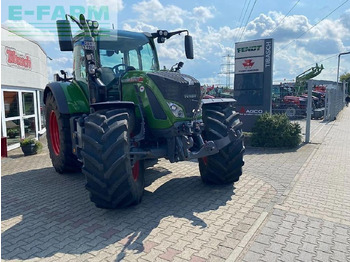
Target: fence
{"type": "Point", "coordinates": [328, 110]}
{"type": "Point", "coordinates": [335, 100]}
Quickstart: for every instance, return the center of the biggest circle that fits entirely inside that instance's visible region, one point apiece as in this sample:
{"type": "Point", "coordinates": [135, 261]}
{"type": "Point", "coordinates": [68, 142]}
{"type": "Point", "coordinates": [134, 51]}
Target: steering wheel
{"type": "Point", "coordinates": [116, 69]}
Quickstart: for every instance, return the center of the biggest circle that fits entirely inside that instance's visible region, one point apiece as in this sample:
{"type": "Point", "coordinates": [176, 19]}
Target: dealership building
{"type": "Point", "coordinates": [23, 79]}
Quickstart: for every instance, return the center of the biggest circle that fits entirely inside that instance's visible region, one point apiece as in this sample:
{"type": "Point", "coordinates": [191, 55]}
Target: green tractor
{"type": "Point", "coordinates": [120, 113]}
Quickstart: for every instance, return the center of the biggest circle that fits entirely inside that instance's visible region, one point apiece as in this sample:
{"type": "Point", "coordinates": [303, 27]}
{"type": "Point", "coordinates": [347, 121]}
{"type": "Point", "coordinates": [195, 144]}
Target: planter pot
{"type": "Point", "coordinates": [29, 150]}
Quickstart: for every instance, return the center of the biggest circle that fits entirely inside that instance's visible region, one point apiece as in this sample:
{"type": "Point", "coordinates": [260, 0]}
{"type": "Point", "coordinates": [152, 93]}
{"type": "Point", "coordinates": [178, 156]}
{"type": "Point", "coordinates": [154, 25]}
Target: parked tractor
{"type": "Point", "coordinates": [293, 100]}
{"type": "Point", "coordinates": [120, 113]}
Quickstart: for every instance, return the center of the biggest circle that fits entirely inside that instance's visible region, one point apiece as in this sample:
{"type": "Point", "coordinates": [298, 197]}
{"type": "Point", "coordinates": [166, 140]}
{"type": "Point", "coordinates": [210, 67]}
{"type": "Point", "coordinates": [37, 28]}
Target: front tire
{"type": "Point", "coordinates": [224, 167]}
{"type": "Point", "coordinates": [111, 180]}
{"type": "Point", "coordinates": [59, 138]}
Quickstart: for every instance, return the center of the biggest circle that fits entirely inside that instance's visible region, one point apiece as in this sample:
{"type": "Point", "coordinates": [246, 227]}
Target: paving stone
{"type": "Point", "coordinates": [305, 256]}
{"type": "Point", "coordinates": [270, 256]}
{"type": "Point", "coordinates": [323, 256]}
{"type": "Point", "coordinates": [262, 238]}
{"type": "Point", "coordinates": [295, 238]}
{"type": "Point", "coordinates": [326, 239]}
{"type": "Point", "coordinates": [283, 231]}
{"type": "Point", "coordinates": [340, 256]}
{"type": "Point", "coordinates": [275, 247]}
{"type": "Point", "coordinates": [308, 247]}
{"type": "Point", "coordinates": [310, 239]}
{"type": "Point", "coordinates": [252, 256]}
{"type": "Point", "coordinates": [170, 254]}
{"type": "Point", "coordinates": [341, 247]}
{"type": "Point", "coordinates": [292, 247]}
{"type": "Point", "coordinates": [288, 257]}
{"type": "Point", "coordinates": [259, 247]}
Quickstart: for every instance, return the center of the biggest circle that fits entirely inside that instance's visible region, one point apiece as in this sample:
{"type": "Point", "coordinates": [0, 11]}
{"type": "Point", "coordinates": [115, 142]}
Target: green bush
{"type": "Point", "coordinates": [30, 141]}
{"type": "Point", "coordinates": [275, 131]}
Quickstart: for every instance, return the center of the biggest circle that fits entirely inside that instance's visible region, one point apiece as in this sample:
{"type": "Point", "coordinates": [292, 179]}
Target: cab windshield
{"type": "Point", "coordinates": [120, 53]}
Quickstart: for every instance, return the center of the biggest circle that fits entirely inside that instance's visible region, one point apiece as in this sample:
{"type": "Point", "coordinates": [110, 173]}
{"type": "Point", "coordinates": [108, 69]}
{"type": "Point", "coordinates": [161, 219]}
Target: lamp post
{"type": "Point", "coordinates": [345, 53]}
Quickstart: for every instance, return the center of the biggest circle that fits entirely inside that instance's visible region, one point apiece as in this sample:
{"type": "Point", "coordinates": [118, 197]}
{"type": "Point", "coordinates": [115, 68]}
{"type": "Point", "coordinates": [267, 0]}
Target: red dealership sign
{"type": "Point", "coordinates": [15, 58]}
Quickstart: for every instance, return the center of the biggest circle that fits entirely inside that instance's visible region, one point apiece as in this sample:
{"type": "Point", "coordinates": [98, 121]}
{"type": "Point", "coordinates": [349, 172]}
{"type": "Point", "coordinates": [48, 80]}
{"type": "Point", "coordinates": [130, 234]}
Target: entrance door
{"type": "Point", "coordinates": [19, 117]}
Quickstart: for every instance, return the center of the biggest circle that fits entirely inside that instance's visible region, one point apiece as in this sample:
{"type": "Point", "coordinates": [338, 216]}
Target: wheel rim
{"type": "Point", "coordinates": [54, 133]}
{"type": "Point", "coordinates": [136, 170]}
{"type": "Point", "coordinates": [290, 111]}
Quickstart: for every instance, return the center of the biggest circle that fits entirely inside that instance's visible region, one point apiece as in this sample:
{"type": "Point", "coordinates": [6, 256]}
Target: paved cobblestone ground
{"type": "Point", "coordinates": [311, 222]}
{"type": "Point", "coordinates": [49, 216]}
{"type": "Point", "coordinates": [272, 213]}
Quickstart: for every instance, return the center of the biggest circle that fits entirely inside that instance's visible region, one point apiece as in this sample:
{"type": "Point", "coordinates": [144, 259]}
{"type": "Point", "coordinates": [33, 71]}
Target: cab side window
{"type": "Point", "coordinates": [79, 63]}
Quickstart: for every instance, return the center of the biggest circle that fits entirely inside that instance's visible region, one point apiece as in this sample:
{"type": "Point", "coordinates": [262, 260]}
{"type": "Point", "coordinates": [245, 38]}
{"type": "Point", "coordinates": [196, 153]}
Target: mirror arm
{"type": "Point", "coordinates": [170, 34]}
{"type": "Point", "coordinates": [74, 20]}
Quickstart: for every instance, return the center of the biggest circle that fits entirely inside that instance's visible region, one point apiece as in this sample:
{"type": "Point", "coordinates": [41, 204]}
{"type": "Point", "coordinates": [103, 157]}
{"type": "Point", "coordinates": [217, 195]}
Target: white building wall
{"type": "Point", "coordinates": [21, 88]}
{"type": "Point", "coordinates": [12, 75]}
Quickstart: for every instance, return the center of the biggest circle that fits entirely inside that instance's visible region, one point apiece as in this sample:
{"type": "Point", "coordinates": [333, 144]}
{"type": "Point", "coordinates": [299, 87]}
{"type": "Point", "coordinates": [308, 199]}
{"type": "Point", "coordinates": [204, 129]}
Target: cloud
{"type": "Point", "coordinates": [29, 31]}
{"type": "Point", "coordinates": [153, 10]}
{"type": "Point", "coordinates": [61, 60]}
{"type": "Point", "coordinates": [202, 13]}
{"type": "Point", "coordinates": [276, 25]}
{"type": "Point", "coordinates": [345, 19]}
{"type": "Point", "coordinates": [322, 46]}
{"type": "Point", "coordinates": [140, 27]}
{"type": "Point", "coordinates": [113, 5]}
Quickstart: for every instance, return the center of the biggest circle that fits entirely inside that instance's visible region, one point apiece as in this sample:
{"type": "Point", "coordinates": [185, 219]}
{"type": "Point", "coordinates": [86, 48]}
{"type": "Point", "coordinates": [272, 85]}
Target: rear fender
{"type": "Point", "coordinates": [69, 96]}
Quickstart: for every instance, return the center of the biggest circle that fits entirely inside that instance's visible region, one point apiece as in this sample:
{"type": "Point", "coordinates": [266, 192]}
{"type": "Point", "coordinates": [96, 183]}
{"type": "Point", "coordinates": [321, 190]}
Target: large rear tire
{"type": "Point", "coordinates": [224, 167]}
{"type": "Point", "coordinates": [111, 180]}
{"type": "Point", "coordinates": [59, 138]}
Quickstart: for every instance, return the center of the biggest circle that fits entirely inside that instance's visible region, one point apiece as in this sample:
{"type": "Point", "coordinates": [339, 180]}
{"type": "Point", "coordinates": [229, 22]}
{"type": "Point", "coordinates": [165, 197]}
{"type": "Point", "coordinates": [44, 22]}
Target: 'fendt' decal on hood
{"type": "Point", "coordinates": [190, 96]}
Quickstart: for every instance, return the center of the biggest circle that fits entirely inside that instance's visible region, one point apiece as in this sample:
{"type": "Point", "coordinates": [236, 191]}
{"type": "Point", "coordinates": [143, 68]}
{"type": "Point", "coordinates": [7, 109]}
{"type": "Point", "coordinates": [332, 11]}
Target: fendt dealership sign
{"type": "Point", "coordinates": [253, 79]}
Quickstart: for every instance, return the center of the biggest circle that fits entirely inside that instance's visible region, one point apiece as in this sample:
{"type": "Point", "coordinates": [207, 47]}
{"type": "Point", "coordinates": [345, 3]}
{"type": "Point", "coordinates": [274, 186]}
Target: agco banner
{"type": "Point", "coordinates": [253, 79]}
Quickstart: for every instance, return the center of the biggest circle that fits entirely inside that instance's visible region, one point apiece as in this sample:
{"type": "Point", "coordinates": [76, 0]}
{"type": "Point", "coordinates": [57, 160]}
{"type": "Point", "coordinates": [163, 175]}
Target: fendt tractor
{"type": "Point", "coordinates": [120, 113]}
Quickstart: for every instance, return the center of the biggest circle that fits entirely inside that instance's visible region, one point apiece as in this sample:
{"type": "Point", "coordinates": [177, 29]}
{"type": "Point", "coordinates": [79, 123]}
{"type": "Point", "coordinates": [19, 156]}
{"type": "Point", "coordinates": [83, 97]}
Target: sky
{"type": "Point", "coordinates": [305, 32]}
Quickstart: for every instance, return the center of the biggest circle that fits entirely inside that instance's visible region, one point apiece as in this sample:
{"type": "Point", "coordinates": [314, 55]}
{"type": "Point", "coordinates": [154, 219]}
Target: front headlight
{"type": "Point", "coordinates": [176, 109]}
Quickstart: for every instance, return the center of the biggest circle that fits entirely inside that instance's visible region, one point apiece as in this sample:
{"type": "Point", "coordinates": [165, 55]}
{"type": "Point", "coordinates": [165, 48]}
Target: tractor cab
{"type": "Point", "coordinates": [117, 54]}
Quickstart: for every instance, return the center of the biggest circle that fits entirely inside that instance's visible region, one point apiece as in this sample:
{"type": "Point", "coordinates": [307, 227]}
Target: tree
{"type": "Point", "coordinates": [346, 77]}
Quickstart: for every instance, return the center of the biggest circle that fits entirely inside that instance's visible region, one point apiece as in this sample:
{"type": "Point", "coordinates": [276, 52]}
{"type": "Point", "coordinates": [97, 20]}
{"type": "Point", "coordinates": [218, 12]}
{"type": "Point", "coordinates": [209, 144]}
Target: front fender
{"type": "Point", "coordinates": [69, 97]}
{"type": "Point", "coordinates": [207, 101]}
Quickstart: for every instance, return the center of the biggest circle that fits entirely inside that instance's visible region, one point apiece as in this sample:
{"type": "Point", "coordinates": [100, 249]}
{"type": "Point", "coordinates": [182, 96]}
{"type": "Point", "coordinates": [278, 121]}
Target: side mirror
{"type": "Point", "coordinates": [64, 35]}
{"type": "Point", "coordinates": [189, 47]}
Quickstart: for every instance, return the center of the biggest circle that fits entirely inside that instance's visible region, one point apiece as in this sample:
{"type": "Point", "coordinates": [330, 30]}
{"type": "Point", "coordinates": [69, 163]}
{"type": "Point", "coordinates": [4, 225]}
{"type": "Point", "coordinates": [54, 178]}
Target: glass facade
{"type": "Point", "coordinates": [23, 115]}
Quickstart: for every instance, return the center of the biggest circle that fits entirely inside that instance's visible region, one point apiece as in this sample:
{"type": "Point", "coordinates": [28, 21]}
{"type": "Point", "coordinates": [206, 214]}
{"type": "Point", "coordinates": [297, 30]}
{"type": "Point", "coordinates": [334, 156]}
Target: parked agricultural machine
{"type": "Point", "coordinates": [292, 99]}
{"type": "Point", "coordinates": [120, 113]}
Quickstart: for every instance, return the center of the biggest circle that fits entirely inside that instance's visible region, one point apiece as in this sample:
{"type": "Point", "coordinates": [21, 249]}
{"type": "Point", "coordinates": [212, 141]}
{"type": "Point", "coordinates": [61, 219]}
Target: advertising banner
{"type": "Point", "coordinates": [253, 79]}
{"type": "Point", "coordinates": [249, 65]}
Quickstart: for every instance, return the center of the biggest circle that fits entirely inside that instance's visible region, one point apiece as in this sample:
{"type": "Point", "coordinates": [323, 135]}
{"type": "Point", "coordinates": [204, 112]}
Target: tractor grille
{"type": "Point", "coordinates": [180, 88]}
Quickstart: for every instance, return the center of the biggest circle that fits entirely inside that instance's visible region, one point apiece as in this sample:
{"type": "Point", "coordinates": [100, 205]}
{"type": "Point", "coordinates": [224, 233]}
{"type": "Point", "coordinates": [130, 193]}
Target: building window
{"type": "Point", "coordinates": [11, 104]}
{"type": "Point", "coordinates": [29, 127]}
{"type": "Point", "coordinates": [42, 122]}
{"type": "Point", "coordinates": [13, 130]}
{"type": "Point", "coordinates": [28, 103]}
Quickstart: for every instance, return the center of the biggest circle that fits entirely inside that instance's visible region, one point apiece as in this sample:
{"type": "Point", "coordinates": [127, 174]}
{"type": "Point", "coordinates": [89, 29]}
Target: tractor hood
{"type": "Point", "coordinates": [180, 88]}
